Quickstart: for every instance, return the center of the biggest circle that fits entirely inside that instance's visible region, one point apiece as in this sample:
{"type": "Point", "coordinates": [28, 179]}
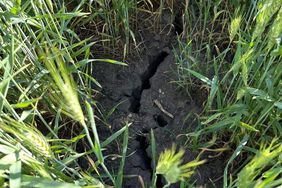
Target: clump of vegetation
{"type": "Point", "coordinates": [169, 165]}
{"type": "Point", "coordinates": [40, 54]}
{"type": "Point", "coordinates": [243, 77]}
{"type": "Point", "coordinates": [46, 88]}
{"type": "Point", "coordinates": [267, 161]}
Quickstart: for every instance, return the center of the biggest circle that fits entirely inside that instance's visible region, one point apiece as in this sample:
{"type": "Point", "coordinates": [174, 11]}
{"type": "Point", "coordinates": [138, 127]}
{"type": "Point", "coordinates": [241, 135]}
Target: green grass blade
{"type": "Point", "coordinates": [114, 136]}
{"type": "Point", "coordinates": [234, 155]}
{"type": "Point", "coordinates": [153, 145]}
{"type": "Point", "coordinates": [29, 181]}
{"type": "Point", "coordinates": [15, 173]}
{"type": "Point", "coordinates": [121, 166]}
{"type": "Point", "coordinates": [7, 73]}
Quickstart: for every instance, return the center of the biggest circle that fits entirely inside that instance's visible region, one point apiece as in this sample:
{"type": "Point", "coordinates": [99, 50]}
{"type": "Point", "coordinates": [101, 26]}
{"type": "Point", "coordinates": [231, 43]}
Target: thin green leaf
{"type": "Point", "coordinates": [234, 155]}
{"type": "Point", "coordinates": [113, 137]}
{"type": "Point", "coordinates": [121, 166]}
{"type": "Point", "coordinates": [15, 173]}
{"type": "Point", "coordinates": [30, 181]}
{"type": "Point", "coordinates": [153, 146]}
{"type": "Point", "coordinates": [200, 76]}
{"type": "Point", "coordinates": [248, 127]}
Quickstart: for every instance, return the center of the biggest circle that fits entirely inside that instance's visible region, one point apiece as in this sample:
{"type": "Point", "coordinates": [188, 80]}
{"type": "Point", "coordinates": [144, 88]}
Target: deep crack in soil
{"type": "Point", "coordinates": [145, 82]}
{"type": "Point", "coordinates": [135, 88]}
{"type": "Point", "coordinates": [155, 84]}
{"type": "Point", "coordinates": [143, 145]}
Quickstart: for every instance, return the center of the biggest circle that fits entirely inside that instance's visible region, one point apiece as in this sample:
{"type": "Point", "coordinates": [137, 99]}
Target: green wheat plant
{"type": "Point", "coordinates": [114, 20]}
{"type": "Point", "coordinates": [244, 92]}
{"type": "Point", "coordinates": [266, 160]}
{"type": "Point", "coordinates": [64, 83]}
{"type": "Point", "coordinates": [28, 135]}
{"type": "Point", "coordinates": [169, 165]}
{"type": "Point", "coordinates": [48, 108]}
{"type": "Point", "coordinates": [39, 55]}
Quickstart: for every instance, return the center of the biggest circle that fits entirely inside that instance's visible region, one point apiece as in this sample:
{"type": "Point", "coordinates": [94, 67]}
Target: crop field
{"type": "Point", "coordinates": [141, 93]}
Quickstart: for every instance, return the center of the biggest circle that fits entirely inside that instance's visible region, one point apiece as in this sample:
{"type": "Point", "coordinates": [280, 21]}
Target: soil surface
{"type": "Point", "coordinates": [147, 97]}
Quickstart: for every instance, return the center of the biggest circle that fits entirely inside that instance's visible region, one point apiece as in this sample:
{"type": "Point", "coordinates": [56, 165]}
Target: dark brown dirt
{"type": "Point", "coordinates": [119, 84]}
{"type": "Point", "coordinates": [136, 87]}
